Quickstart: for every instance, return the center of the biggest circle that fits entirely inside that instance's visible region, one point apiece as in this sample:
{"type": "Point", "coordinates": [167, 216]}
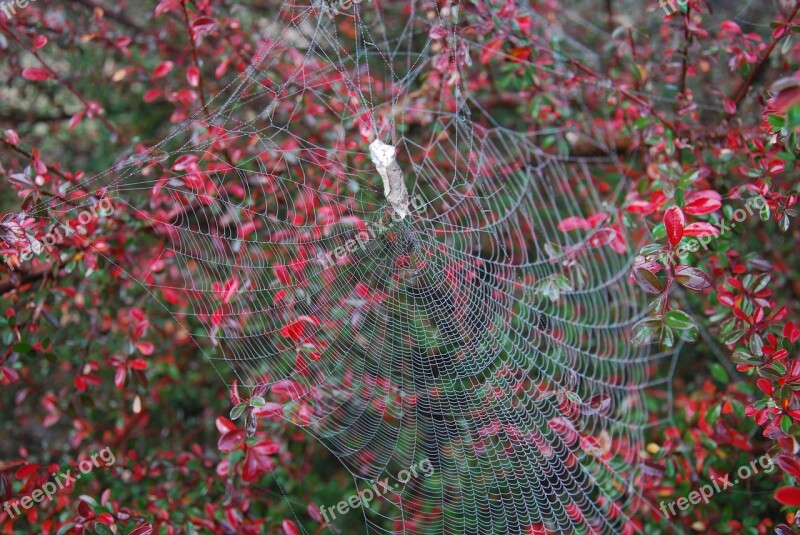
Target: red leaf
{"type": "Point", "coordinates": [167, 5]}
{"type": "Point", "coordinates": [647, 281]}
{"type": "Point", "coordinates": [75, 120]}
{"type": "Point", "coordinates": [295, 329]}
{"type": "Point", "coordinates": [39, 41]}
{"type": "Point", "coordinates": [162, 70]}
{"type": "Point", "coordinates": [777, 167]}
{"type": "Point", "coordinates": [289, 527]}
{"type": "Point", "coordinates": [36, 74]}
{"type": "Point", "coordinates": [225, 426]}
{"type": "Point", "coordinates": [703, 202]}
{"type": "Point", "coordinates": [138, 364]}
{"type": "Point", "coordinates": [674, 222]}
{"type": "Point", "coordinates": [151, 95]}
{"type": "Point", "coordinates": [193, 76]}
{"type": "Point", "coordinates": [7, 373]}
{"type": "Point", "coordinates": [255, 464]}
{"type": "Point", "coordinates": [105, 518]}
{"type": "Point", "coordinates": [692, 278]}
{"type": "Point", "coordinates": [267, 447]}
{"type": "Point", "coordinates": [701, 229]}
{"type": "Point", "coordinates": [270, 410]}
{"type": "Point", "coordinates": [789, 464]}
{"type": "Point", "coordinates": [437, 32]}
{"type": "Point", "coordinates": [730, 106]}
{"type": "Point", "coordinates": [730, 26]}
{"type": "Point", "coordinates": [283, 274]}
{"type": "Point", "coordinates": [231, 441]}
{"type": "Point", "coordinates": [24, 471]}
{"type": "Point", "coordinates": [144, 529]}
{"type": "Point", "coordinates": [490, 49]}
{"type": "Point", "coordinates": [572, 223]}
{"type": "Point", "coordinates": [12, 137]}
{"type": "Point", "coordinates": [203, 25]}
{"type": "Point", "coordinates": [119, 377]}
{"type": "Point", "coordinates": [788, 496]}
{"type": "Point", "coordinates": [145, 348]}
{"type": "Point", "coordinates": [184, 162]}
{"type": "Point", "coordinates": [792, 332]}
{"type": "Point", "coordinates": [227, 290]}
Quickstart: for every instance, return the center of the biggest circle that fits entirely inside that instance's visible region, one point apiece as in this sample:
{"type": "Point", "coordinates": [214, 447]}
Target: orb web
{"type": "Point", "coordinates": [476, 332]}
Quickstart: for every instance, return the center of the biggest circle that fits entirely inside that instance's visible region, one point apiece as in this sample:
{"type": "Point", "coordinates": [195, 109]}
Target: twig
{"type": "Point", "coordinates": [663, 120]}
{"type": "Point", "coordinates": [195, 60]}
{"type": "Point", "coordinates": [794, 284]}
{"type": "Point", "coordinates": [113, 15]}
{"type": "Point", "coordinates": [741, 92]}
{"type": "Point", "coordinates": [684, 52]}
{"type": "Point", "coordinates": [110, 127]}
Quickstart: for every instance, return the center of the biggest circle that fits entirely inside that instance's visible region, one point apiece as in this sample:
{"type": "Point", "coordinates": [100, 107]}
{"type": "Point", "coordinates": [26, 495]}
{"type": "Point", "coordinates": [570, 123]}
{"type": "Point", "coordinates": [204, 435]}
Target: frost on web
{"type": "Point", "coordinates": [450, 319]}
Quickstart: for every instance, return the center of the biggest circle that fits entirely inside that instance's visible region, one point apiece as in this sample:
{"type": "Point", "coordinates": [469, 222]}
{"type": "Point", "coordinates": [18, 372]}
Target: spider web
{"type": "Point", "coordinates": [473, 333]}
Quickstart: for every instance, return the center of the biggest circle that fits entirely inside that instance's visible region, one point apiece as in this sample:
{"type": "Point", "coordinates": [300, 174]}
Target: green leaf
{"type": "Point", "coordinates": [679, 197]}
{"type": "Point", "coordinates": [65, 528]}
{"type": "Point", "coordinates": [793, 118]}
{"type": "Point", "coordinates": [769, 372]}
{"type": "Point", "coordinates": [765, 212]}
{"type": "Point", "coordinates": [88, 499]}
{"type": "Point", "coordinates": [238, 410]}
{"type": "Point", "coordinates": [783, 223]}
{"type": "Point", "coordinates": [743, 357]}
{"type": "Point", "coordinates": [776, 121]}
{"type": "Point", "coordinates": [786, 423]}
{"type": "Point", "coordinates": [738, 408]}
{"type": "Point", "coordinates": [678, 319]}
{"type": "Point", "coordinates": [257, 401]}
{"type": "Point", "coordinates": [643, 331]}
{"type": "Point", "coordinates": [24, 348]}
{"type": "Point", "coordinates": [102, 529]}
{"type": "Point", "coordinates": [756, 345]}
{"type": "Point", "coordinates": [667, 337]}
{"type": "Point", "coordinates": [733, 337]}
{"type": "Point", "coordinates": [787, 45]}
{"type": "Point", "coordinates": [713, 413]}
{"type": "Point", "coordinates": [761, 282]}
{"type": "Point", "coordinates": [688, 335]}
{"type": "Point", "coordinates": [669, 468]}
{"type": "Point", "coordinates": [719, 373]}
